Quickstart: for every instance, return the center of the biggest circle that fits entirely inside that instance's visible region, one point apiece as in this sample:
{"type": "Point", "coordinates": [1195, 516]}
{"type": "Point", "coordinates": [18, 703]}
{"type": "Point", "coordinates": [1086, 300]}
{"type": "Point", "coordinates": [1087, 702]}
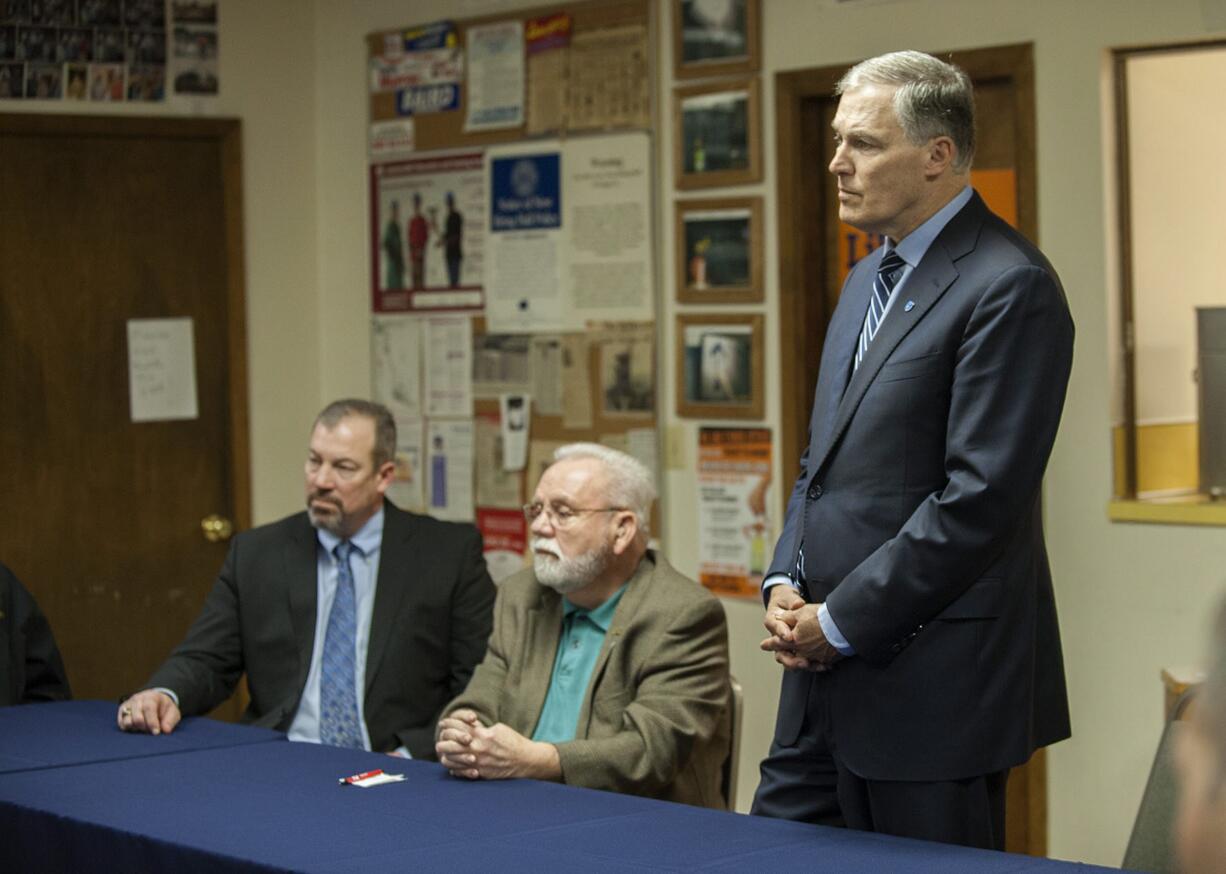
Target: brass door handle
{"type": "Point", "coordinates": [216, 528]}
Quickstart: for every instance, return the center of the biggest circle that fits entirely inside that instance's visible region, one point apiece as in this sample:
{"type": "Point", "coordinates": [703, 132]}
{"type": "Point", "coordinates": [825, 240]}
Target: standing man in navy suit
{"type": "Point", "coordinates": [910, 599]}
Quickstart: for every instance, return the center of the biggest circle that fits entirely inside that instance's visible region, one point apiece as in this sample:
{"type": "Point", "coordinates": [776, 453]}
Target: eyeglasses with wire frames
{"type": "Point", "coordinates": [560, 515]}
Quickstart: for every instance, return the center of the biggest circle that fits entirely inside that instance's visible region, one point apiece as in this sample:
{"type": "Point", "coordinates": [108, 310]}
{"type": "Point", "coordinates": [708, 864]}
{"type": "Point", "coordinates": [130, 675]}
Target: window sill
{"type": "Point", "coordinates": [1195, 510]}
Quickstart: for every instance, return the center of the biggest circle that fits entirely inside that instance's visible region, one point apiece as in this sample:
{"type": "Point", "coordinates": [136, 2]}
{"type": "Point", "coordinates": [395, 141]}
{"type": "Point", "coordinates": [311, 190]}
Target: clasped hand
{"type": "Point", "coordinates": [796, 636]}
{"type": "Point", "coordinates": [471, 750]}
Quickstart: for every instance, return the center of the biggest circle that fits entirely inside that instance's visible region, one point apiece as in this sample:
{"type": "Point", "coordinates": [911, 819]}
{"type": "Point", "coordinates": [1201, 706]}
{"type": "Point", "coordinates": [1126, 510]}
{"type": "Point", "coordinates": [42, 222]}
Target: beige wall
{"type": "Point", "coordinates": [1132, 598]}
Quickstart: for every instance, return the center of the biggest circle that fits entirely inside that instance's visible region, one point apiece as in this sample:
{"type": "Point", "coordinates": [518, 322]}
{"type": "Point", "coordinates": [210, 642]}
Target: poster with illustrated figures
{"type": "Point", "coordinates": [428, 233]}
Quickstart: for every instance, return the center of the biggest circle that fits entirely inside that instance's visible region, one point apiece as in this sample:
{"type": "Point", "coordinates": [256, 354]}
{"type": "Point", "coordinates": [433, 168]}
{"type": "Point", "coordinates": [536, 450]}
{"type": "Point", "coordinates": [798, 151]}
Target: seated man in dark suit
{"type": "Point", "coordinates": [30, 665]}
{"type": "Point", "coordinates": [354, 621]}
{"type": "Point", "coordinates": [606, 668]}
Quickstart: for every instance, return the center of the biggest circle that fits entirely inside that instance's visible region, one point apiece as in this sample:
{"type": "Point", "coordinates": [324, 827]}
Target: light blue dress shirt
{"type": "Point", "coordinates": [911, 249]}
{"type": "Point", "coordinates": [583, 633]}
{"type": "Point", "coordinates": [364, 562]}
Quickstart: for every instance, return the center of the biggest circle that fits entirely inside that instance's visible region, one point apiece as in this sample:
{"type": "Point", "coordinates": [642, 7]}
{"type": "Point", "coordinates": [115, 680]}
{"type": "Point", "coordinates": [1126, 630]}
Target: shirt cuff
{"type": "Point", "coordinates": [778, 580]}
{"type": "Point", "coordinates": [831, 630]}
{"type": "Point", "coordinates": [402, 751]}
{"type": "Point", "coordinates": [168, 693]}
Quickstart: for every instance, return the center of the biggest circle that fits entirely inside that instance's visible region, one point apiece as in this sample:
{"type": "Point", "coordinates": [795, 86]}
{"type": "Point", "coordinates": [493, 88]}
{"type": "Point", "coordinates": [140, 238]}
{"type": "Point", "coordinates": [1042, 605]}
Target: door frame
{"type": "Point", "coordinates": [806, 303]}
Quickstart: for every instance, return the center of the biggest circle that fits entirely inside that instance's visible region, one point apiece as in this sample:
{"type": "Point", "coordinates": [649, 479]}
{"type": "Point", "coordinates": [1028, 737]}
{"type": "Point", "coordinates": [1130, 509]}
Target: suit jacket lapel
{"type": "Point", "coordinates": [302, 590]}
{"type": "Point", "coordinates": [838, 349]}
{"type": "Point", "coordinates": [391, 589]}
{"type": "Point", "coordinates": [627, 608]}
{"type": "Point", "coordinates": [544, 624]}
{"type": "Point", "coordinates": [928, 281]}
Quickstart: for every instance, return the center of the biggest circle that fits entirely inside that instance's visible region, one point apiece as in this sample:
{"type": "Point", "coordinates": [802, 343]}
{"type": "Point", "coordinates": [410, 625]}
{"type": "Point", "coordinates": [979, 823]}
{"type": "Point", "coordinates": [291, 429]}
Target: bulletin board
{"type": "Point", "coordinates": [609, 42]}
{"type": "Point", "coordinates": [444, 148]}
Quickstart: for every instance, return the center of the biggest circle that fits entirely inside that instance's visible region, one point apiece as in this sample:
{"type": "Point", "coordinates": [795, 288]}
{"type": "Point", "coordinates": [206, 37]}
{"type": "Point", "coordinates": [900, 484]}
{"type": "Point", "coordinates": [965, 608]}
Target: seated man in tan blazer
{"type": "Point", "coordinates": [606, 667]}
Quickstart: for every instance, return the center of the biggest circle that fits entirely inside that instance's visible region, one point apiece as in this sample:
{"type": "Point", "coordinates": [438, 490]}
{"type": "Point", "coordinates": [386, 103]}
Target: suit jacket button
{"type": "Point", "coordinates": [815, 492]}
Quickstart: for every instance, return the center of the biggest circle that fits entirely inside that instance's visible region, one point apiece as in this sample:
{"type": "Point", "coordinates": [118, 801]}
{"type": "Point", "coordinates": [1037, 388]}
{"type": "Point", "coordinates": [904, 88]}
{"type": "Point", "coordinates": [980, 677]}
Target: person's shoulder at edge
{"type": "Point", "coordinates": [675, 593]}
{"type": "Point", "coordinates": [294, 522]}
{"type": "Point", "coordinates": [423, 521]}
{"type": "Point", "coordinates": [1010, 244]}
{"type": "Point", "coordinates": [667, 583]}
{"type": "Point", "coordinates": [299, 522]}
{"type": "Point", "coordinates": [523, 586]}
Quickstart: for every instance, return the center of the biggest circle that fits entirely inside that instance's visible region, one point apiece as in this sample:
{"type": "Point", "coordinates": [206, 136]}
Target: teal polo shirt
{"type": "Point", "coordinates": [583, 634]}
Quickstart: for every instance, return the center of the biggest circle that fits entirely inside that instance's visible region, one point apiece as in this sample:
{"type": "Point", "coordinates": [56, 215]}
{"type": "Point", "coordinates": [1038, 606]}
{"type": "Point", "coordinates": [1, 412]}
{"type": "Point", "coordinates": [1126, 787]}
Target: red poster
{"type": "Point", "coordinates": [505, 533]}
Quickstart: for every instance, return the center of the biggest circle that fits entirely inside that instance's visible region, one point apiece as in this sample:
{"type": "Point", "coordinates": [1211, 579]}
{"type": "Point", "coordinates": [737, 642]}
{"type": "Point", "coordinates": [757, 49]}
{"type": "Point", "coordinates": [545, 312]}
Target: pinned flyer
{"type": "Point", "coordinates": [367, 779]}
{"type": "Point", "coordinates": [514, 411]}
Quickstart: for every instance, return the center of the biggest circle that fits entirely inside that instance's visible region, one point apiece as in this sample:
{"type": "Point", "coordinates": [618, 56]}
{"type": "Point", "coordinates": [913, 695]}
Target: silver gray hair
{"type": "Point", "coordinates": [630, 484]}
{"type": "Point", "coordinates": [384, 449]}
{"type": "Point", "coordinates": [934, 98]}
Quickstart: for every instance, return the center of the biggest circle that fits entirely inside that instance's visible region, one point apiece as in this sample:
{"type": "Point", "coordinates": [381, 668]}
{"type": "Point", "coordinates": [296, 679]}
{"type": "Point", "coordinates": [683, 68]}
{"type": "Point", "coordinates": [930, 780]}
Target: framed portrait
{"type": "Point", "coordinates": [627, 375]}
{"type": "Point", "coordinates": [718, 139]}
{"type": "Point", "coordinates": [715, 37]}
{"type": "Point", "coordinates": [719, 366]}
{"type": "Point", "coordinates": [719, 250]}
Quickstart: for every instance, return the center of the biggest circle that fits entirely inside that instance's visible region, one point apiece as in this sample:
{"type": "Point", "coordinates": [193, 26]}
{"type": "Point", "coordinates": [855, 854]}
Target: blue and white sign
{"type": "Point", "coordinates": [558, 267]}
{"type": "Point", "coordinates": [423, 99]}
{"type": "Point", "coordinates": [496, 78]}
{"type": "Point", "coordinates": [526, 193]}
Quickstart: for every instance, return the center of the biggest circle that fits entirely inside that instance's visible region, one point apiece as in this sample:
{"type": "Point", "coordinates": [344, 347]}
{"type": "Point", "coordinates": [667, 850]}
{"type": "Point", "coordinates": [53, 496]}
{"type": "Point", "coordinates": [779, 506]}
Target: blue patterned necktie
{"type": "Point", "coordinates": [889, 271]}
{"type": "Point", "coordinates": [338, 698]}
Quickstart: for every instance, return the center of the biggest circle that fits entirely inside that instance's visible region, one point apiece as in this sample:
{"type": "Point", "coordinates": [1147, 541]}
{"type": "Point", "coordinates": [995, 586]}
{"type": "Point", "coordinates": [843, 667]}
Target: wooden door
{"type": "Point", "coordinates": [103, 220]}
{"type": "Point", "coordinates": [816, 251]}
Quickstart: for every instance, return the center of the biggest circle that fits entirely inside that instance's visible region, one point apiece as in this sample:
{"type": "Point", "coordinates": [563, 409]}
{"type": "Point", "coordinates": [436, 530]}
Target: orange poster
{"type": "Point", "coordinates": [998, 188]}
{"type": "Point", "coordinates": [734, 534]}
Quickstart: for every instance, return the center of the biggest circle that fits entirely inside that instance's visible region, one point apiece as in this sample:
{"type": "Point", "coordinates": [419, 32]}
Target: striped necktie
{"type": "Point", "coordinates": [889, 271]}
{"type": "Point", "coordinates": [338, 698]}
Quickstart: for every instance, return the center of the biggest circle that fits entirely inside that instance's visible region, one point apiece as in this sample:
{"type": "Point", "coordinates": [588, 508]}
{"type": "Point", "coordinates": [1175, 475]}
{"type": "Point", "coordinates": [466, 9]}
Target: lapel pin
{"type": "Point", "coordinates": [910, 306]}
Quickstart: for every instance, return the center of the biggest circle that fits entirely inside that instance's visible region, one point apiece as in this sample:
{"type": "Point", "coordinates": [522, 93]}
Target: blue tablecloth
{"type": "Point", "coordinates": [34, 736]}
{"type": "Point", "coordinates": [277, 806]}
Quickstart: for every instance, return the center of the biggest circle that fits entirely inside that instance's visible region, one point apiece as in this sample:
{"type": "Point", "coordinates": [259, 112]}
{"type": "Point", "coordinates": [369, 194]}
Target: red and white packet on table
{"type": "Point", "coordinates": [370, 778]}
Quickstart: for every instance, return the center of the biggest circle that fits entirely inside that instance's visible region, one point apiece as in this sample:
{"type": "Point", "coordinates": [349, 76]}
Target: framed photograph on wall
{"type": "Point", "coordinates": [719, 250]}
{"type": "Point", "coordinates": [719, 366]}
{"type": "Point", "coordinates": [718, 138]}
{"type": "Point", "coordinates": [715, 37]}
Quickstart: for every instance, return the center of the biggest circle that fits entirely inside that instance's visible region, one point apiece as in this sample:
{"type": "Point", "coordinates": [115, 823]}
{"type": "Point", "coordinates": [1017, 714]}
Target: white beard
{"type": "Point", "coordinates": [563, 574]}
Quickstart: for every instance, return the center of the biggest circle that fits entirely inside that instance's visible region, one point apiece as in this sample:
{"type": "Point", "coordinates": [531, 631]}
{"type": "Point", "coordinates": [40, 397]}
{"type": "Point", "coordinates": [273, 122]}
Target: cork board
{"type": "Point", "coordinates": [616, 19]}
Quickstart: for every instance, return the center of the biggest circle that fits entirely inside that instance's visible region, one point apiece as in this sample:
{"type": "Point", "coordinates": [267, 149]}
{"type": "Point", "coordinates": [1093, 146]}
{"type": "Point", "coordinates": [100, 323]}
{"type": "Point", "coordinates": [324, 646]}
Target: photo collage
{"type": "Point", "coordinates": [106, 50]}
